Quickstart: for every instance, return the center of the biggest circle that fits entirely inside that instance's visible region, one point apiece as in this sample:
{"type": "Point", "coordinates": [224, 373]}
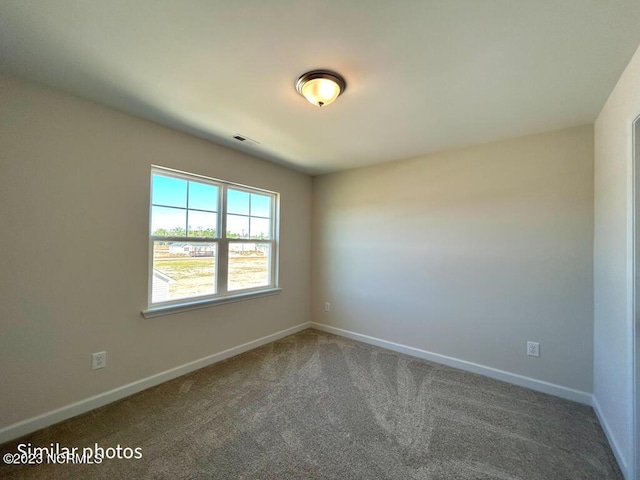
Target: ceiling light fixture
{"type": "Point", "coordinates": [320, 87]}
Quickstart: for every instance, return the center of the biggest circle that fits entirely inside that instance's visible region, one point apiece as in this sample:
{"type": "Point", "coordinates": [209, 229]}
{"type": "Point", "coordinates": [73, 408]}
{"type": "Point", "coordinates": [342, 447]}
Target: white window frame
{"type": "Point", "coordinates": [222, 249]}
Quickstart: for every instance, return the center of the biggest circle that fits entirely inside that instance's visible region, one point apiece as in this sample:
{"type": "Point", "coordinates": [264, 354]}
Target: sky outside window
{"type": "Point", "coordinates": [203, 197]}
{"type": "Point", "coordinates": [260, 205]}
{"type": "Point", "coordinates": [248, 215]}
{"type": "Point", "coordinates": [237, 202]}
{"type": "Point", "coordinates": [169, 210]}
{"type": "Point", "coordinates": [169, 191]}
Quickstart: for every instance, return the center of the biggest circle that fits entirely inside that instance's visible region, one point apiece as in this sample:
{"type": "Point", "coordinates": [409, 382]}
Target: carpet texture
{"type": "Point", "coordinates": [318, 406]}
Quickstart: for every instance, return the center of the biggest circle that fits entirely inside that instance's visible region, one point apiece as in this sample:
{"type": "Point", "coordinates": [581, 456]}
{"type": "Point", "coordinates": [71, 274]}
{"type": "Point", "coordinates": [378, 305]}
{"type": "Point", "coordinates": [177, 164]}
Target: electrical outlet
{"type": "Point", "coordinates": [327, 307]}
{"type": "Point", "coordinates": [533, 349]}
{"type": "Point", "coordinates": [98, 360]}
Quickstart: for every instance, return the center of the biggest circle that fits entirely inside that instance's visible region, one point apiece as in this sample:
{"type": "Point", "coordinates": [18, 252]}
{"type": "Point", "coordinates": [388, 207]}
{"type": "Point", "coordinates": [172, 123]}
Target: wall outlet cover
{"type": "Point", "coordinates": [533, 349]}
{"type": "Point", "coordinates": [98, 360]}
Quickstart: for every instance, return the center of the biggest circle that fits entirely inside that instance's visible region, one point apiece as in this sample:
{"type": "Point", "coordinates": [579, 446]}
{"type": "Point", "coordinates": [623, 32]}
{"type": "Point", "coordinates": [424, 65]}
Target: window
{"type": "Point", "coordinates": [209, 241]}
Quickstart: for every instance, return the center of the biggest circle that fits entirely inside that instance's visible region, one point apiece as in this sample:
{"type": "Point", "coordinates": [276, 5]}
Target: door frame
{"type": "Point", "coordinates": [635, 278]}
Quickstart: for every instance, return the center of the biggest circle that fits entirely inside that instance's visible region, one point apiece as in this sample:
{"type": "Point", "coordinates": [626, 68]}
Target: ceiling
{"type": "Point", "coordinates": [422, 76]}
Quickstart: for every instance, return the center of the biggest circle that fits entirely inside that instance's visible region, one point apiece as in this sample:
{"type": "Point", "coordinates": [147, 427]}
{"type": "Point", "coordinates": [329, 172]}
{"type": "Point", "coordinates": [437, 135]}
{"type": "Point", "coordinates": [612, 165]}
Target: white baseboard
{"type": "Point", "coordinates": [30, 425]}
{"type": "Point", "coordinates": [514, 378]}
{"type": "Point", "coordinates": [626, 471]}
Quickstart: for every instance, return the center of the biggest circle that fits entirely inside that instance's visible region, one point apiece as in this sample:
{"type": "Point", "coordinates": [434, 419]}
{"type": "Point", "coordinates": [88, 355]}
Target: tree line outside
{"type": "Point", "coordinates": [201, 233]}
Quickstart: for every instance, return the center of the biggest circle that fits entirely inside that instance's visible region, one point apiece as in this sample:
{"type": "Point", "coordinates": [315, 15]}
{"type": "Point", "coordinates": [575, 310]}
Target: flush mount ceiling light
{"type": "Point", "coordinates": [320, 87]}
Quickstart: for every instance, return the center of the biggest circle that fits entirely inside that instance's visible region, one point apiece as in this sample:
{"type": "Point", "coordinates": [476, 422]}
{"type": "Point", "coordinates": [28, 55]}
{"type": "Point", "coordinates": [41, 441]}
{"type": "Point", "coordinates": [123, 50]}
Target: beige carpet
{"type": "Point", "coordinates": [317, 406]}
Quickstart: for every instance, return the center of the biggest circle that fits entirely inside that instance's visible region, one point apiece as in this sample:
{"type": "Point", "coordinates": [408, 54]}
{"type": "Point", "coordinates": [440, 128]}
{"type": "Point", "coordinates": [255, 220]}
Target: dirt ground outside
{"type": "Point", "coordinates": [193, 276]}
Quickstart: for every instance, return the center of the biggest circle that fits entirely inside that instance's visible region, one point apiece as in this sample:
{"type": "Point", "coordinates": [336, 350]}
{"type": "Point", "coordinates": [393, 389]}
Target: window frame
{"type": "Point", "coordinates": [221, 241]}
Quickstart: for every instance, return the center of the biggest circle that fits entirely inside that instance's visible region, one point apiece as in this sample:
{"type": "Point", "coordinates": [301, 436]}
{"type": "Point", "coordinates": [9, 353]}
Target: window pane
{"type": "Point", "coordinates": [182, 269]}
{"type": "Point", "coordinates": [260, 228]}
{"type": "Point", "coordinates": [202, 224]}
{"type": "Point", "coordinates": [248, 265]}
{"type": "Point", "coordinates": [203, 196]}
{"type": "Point", "coordinates": [169, 191]}
{"type": "Point", "coordinates": [168, 221]}
{"type": "Point", "coordinates": [260, 205]}
{"type": "Point", "coordinates": [237, 202]}
{"type": "Point", "coordinates": [237, 226]}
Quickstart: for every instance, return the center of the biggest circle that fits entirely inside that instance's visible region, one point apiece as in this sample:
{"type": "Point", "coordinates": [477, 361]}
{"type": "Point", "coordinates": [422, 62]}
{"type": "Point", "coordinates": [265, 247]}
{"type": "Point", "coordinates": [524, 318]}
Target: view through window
{"type": "Point", "coordinates": [209, 238]}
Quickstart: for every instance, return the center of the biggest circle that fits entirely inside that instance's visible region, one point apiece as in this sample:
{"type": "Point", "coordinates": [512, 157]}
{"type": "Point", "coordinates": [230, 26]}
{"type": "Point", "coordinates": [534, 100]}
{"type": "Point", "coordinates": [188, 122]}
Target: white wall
{"type": "Point", "coordinates": [74, 200]}
{"type": "Point", "coordinates": [613, 263]}
{"type": "Point", "coordinates": [467, 254]}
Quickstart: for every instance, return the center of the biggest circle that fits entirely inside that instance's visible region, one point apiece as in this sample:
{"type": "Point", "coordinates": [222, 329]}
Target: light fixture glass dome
{"type": "Point", "coordinates": [320, 87]}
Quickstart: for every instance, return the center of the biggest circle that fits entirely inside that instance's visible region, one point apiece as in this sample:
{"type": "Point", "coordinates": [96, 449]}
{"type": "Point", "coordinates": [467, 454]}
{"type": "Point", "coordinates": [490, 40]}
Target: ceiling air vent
{"type": "Point", "coordinates": [246, 140]}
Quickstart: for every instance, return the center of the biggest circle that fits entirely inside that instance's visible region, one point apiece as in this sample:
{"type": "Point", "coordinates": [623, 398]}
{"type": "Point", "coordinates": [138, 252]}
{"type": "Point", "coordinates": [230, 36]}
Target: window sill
{"type": "Point", "coordinates": [196, 305]}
